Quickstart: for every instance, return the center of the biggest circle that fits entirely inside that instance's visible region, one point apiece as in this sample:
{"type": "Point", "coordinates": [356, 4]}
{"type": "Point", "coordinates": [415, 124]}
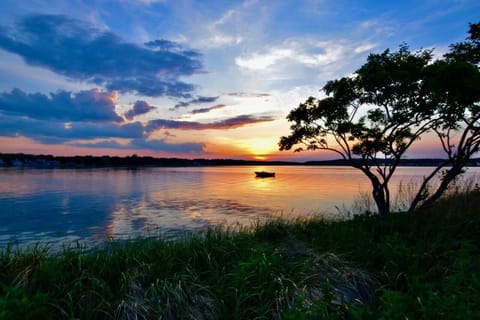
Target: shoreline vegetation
{"type": "Point", "coordinates": [21, 160]}
{"type": "Point", "coordinates": [421, 265]}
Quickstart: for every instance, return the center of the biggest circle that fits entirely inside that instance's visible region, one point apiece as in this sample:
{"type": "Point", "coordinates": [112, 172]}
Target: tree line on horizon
{"type": "Point", "coordinates": [135, 161]}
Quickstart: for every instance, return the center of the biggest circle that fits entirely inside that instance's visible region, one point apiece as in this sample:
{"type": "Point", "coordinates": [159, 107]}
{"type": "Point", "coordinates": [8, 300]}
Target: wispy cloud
{"type": "Point", "coordinates": [233, 27]}
{"type": "Point", "coordinates": [206, 110]}
{"type": "Point", "coordinates": [263, 60]}
{"type": "Point", "coordinates": [83, 52]}
{"type": "Point", "coordinates": [197, 100]}
{"type": "Point", "coordinates": [218, 37]}
{"type": "Point", "coordinates": [307, 52]}
{"type": "Point", "coordinates": [364, 47]}
{"type": "Point", "coordinates": [148, 2]}
{"type": "Point", "coordinates": [90, 105]}
{"type": "Point", "coordinates": [230, 123]}
{"type": "Point", "coordinates": [249, 94]}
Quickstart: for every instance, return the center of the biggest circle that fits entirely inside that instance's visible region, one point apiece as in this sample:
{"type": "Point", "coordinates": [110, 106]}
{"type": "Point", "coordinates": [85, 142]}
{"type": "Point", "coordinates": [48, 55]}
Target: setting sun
{"type": "Point", "coordinates": [260, 148]}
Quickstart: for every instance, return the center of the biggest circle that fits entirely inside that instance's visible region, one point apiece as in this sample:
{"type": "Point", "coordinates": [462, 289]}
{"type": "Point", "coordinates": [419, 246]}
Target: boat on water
{"type": "Point", "coordinates": [264, 174]}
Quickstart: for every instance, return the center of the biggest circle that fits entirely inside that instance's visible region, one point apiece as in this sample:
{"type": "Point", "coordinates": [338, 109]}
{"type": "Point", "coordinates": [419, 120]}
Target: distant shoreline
{"type": "Point", "coordinates": [20, 160]}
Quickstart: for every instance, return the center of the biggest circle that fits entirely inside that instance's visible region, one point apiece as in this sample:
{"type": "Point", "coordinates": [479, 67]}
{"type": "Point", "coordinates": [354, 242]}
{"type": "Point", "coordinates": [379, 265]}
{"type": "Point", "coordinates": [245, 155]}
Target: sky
{"type": "Point", "coordinates": [192, 79]}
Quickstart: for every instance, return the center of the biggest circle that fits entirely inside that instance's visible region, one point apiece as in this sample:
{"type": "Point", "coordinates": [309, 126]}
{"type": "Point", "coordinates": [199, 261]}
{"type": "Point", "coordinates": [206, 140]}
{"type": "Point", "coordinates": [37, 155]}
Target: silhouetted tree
{"type": "Point", "coordinates": [374, 116]}
{"type": "Point", "coordinates": [454, 83]}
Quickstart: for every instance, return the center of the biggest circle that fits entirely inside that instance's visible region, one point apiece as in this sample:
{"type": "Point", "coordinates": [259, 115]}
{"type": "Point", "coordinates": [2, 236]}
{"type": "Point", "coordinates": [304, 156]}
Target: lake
{"type": "Point", "coordinates": [89, 206]}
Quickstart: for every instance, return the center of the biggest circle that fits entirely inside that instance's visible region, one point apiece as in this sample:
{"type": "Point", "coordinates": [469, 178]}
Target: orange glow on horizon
{"type": "Point", "coordinates": [28, 146]}
{"type": "Point", "coordinates": [261, 149]}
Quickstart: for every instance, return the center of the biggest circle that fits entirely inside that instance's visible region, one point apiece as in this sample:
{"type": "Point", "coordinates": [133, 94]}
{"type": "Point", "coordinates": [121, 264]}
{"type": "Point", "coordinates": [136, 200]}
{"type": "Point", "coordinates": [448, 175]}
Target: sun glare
{"type": "Point", "coordinates": [260, 148]}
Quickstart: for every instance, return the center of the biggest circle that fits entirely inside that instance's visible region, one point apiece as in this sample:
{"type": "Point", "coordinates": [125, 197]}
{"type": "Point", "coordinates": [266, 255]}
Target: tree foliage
{"type": "Point", "coordinates": [454, 83]}
{"type": "Point", "coordinates": [374, 116]}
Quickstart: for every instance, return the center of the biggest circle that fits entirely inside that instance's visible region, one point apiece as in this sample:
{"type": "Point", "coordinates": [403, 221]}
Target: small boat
{"type": "Point", "coordinates": [264, 174]}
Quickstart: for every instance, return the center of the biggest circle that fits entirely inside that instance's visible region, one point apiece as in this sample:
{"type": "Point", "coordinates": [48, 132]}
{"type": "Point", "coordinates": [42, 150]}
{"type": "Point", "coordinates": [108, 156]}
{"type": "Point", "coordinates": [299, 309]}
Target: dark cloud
{"type": "Point", "coordinates": [140, 107]}
{"type": "Point", "coordinates": [249, 94]}
{"type": "Point", "coordinates": [61, 132]}
{"type": "Point", "coordinates": [206, 110]}
{"type": "Point", "coordinates": [89, 105]}
{"type": "Point", "coordinates": [149, 86]}
{"type": "Point", "coordinates": [230, 123]}
{"type": "Point", "coordinates": [56, 132]}
{"type": "Point", "coordinates": [83, 52]}
{"type": "Point", "coordinates": [198, 100]}
{"type": "Point", "coordinates": [155, 145]}
{"type": "Point", "coordinates": [180, 105]}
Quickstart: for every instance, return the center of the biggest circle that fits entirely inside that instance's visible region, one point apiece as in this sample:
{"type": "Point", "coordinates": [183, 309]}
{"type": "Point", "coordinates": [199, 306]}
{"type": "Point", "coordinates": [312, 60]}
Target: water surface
{"type": "Point", "coordinates": [64, 206]}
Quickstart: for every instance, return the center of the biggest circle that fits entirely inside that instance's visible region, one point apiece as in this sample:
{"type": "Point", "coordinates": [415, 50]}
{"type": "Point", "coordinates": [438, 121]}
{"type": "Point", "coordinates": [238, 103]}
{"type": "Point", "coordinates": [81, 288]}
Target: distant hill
{"type": "Point", "coordinates": [49, 161]}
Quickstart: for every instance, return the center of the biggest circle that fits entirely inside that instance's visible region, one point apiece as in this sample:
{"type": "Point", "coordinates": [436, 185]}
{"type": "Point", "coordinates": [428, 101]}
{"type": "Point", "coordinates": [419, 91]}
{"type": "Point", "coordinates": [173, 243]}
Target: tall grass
{"type": "Point", "coordinates": [417, 266]}
{"type": "Point", "coordinates": [404, 194]}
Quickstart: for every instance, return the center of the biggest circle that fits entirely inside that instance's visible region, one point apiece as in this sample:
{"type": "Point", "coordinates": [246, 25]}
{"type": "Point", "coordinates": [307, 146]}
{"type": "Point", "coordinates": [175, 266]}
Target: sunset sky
{"type": "Point", "coordinates": [192, 79]}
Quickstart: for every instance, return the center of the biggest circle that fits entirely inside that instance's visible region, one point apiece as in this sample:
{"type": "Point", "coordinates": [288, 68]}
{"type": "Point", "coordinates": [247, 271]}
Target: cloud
{"type": "Point", "coordinates": [198, 100]}
{"type": "Point", "coordinates": [206, 110]}
{"type": "Point", "coordinates": [90, 105]}
{"type": "Point", "coordinates": [261, 61]}
{"type": "Point", "coordinates": [167, 45]}
{"type": "Point", "coordinates": [307, 52]}
{"type": "Point", "coordinates": [83, 52]}
{"type": "Point", "coordinates": [149, 2]}
{"type": "Point", "coordinates": [364, 47]}
{"type": "Point", "coordinates": [230, 123]}
{"type": "Point", "coordinates": [249, 94]}
{"type": "Point", "coordinates": [181, 104]}
{"type": "Point", "coordinates": [150, 86]}
{"type": "Point", "coordinates": [140, 107]}
{"type": "Point", "coordinates": [92, 134]}
{"type": "Point", "coordinates": [60, 132]}
{"type": "Point", "coordinates": [219, 38]}
{"type": "Point", "coordinates": [233, 27]}
{"type": "Point", "coordinates": [140, 144]}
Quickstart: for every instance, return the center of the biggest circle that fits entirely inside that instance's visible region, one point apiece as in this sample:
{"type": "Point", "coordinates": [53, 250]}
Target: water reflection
{"type": "Point", "coordinates": [92, 206]}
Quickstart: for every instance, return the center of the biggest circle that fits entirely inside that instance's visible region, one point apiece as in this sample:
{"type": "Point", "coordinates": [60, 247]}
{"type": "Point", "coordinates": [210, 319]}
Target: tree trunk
{"type": "Point", "coordinates": [451, 174]}
{"type": "Point", "coordinates": [379, 195]}
{"type": "Point", "coordinates": [422, 192]}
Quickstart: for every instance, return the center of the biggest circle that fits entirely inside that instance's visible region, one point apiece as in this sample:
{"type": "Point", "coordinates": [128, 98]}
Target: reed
{"type": "Point", "coordinates": [420, 265]}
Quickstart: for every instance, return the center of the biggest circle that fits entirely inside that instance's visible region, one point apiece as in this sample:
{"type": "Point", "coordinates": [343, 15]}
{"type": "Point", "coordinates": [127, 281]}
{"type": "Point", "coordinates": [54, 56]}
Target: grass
{"type": "Point", "coordinates": [403, 266]}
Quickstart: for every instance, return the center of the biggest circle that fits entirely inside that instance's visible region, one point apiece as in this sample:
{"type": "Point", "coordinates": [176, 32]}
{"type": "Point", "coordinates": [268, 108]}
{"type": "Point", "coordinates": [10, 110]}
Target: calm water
{"type": "Point", "coordinates": [91, 206]}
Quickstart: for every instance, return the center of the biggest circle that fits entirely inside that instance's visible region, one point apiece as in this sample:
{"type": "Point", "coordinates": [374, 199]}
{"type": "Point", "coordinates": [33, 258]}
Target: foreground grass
{"type": "Point", "coordinates": [404, 266]}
